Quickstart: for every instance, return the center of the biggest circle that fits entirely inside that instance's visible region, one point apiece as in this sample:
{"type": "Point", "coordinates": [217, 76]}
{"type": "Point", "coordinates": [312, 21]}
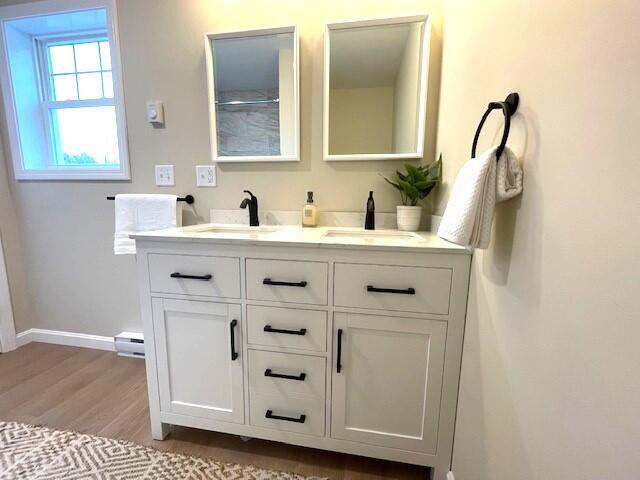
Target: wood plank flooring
{"type": "Point", "coordinates": [97, 392]}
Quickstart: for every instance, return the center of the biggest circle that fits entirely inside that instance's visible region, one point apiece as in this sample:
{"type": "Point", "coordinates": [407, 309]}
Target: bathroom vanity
{"type": "Point", "coordinates": [331, 338]}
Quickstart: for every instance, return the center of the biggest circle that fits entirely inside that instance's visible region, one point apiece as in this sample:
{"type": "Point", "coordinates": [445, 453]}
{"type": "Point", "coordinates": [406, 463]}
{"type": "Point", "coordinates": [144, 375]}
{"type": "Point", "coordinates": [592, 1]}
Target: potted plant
{"type": "Point", "coordinates": [414, 185]}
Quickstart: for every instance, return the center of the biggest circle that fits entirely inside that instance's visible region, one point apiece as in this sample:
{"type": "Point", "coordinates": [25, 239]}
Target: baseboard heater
{"type": "Point", "coordinates": [129, 344]}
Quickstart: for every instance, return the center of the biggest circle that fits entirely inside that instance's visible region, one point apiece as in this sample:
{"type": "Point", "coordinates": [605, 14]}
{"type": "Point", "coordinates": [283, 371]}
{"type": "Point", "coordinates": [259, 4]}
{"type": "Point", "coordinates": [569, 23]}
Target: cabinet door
{"type": "Point", "coordinates": [387, 380]}
{"type": "Point", "coordinates": [198, 349]}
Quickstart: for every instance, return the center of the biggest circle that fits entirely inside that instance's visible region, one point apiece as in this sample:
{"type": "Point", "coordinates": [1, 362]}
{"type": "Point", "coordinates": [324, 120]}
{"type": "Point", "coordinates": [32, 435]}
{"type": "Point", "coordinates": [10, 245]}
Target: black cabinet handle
{"type": "Point", "coordinates": [192, 277]}
{"type": "Point", "coordinates": [232, 329]}
{"type": "Point", "coordinates": [300, 378]}
{"type": "Point", "coordinates": [339, 354]}
{"type": "Point", "coordinates": [406, 291]}
{"type": "Point", "coordinates": [268, 281]}
{"type": "Point", "coordinates": [270, 329]}
{"type": "Point", "coordinates": [270, 415]}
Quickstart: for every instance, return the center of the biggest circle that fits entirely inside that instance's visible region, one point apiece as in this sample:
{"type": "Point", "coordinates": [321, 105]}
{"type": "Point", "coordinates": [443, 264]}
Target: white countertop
{"type": "Point", "coordinates": [319, 237]}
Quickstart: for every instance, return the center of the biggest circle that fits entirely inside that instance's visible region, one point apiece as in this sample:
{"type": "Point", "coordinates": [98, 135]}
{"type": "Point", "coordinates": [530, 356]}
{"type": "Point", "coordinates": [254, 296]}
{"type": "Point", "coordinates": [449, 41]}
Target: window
{"type": "Point", "coordinates": [78, 88]}
{"type": "Point", "coordinates": [66, 118]}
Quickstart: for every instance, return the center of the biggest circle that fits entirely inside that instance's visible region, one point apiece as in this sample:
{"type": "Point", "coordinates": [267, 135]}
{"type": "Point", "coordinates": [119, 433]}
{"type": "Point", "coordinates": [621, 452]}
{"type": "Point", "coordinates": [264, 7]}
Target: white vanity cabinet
{"type": "Point", "coordinates": [352, 348]}
{"type": "Point", "coordinates": [387, 380]}
{"type": "Point", "coordinates": [198, 366]}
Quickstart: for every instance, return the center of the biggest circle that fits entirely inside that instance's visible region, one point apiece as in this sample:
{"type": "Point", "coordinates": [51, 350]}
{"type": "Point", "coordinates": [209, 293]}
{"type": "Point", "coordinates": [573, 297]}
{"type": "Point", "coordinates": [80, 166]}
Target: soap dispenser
{"type": "Point", "coordinates": [370, 219]}
{"type": "Point", "coordinates": [309, 212]}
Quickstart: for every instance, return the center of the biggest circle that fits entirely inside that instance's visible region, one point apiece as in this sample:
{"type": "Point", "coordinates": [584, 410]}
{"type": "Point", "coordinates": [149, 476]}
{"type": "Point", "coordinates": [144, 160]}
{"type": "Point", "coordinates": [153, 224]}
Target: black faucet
{"type": "Point", "coordinates": [252, 202]}
{"type": "Point", "coordinates": [370, 217]}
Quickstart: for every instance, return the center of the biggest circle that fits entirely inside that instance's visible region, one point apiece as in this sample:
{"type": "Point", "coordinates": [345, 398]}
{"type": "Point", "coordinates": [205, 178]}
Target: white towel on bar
{"type": "Point", "coordinates": [481, 183]}
{"type": "Point", "coordinates": [141, 213]}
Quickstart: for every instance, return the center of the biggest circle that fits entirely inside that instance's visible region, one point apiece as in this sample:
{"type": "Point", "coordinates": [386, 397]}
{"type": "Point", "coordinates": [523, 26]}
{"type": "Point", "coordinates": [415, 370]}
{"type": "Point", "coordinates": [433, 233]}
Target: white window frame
{"type": "Point", "coordinates": [54, 171]}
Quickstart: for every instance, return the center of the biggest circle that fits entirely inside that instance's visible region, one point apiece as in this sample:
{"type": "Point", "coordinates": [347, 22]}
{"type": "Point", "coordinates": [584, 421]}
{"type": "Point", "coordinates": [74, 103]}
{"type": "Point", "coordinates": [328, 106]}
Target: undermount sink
{"type": "Point", "coordinates": [372, 234]}
{"type": "Point", "coordinates": [236, 229]}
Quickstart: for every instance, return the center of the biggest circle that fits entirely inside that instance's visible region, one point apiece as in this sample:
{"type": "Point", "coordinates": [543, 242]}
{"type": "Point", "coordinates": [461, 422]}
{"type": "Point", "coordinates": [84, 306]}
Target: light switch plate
{"type": "Point", "coordinates": [165, 176]}
{"type": "Point", "coordinates": [155, 112]}
{"type": "Point", "coordinates": [206, 176]}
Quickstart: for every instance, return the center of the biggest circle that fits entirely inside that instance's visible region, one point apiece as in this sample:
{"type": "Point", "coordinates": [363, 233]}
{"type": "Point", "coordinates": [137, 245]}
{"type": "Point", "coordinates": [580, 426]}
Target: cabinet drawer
{"type": "Point", "coordinates": [384, 287]}
{"type": "Point", "coordinates": [300, 415]}
{"type": "Point", "coordinates": [287, 281]}
{"type": "Point", "coordinates": [195, 275]}
{"type": "Point", "coordinates": [287, 328]}
{"type": "Point", "coordinates": [287, 374]}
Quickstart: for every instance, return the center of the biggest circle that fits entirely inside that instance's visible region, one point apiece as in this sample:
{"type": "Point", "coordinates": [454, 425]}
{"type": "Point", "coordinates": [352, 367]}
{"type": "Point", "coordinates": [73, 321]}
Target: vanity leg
{"type": "Point", "coordinates": [159, 430]}
{"type": "Point", "coordinates": [440, 473]}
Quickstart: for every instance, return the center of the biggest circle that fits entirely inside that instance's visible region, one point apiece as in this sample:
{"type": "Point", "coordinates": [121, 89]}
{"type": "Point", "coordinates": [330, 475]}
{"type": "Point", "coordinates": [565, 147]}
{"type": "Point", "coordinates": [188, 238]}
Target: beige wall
{"type": "Point", "coordinates": [11, 240]}
{"type": "Point", "coordinates": [76, 283]}
{"type": "Point", "coordinates": [550, 384]}
{"type": "Point", "coordinates": [361, 120]}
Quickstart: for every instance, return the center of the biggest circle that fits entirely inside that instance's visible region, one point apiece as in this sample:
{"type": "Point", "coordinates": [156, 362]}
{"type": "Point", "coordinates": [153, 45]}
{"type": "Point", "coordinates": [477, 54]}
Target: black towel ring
{"type": "Point", "coordinates": [508, 107]}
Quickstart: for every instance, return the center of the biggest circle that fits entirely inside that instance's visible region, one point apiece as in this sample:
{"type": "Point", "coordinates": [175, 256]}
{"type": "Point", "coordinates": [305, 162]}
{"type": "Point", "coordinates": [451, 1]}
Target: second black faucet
{"type": "Point", "coordinates": [370, 216]}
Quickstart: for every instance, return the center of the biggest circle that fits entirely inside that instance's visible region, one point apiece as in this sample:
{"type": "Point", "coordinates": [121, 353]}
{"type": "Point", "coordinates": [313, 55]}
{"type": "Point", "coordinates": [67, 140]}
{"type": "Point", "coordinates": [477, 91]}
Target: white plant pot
{"type": "Point", "coordinates": [408, 218]}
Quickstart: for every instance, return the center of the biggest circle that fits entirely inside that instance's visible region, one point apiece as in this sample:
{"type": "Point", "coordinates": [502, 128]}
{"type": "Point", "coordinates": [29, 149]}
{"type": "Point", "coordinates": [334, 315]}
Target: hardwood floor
{"type": "Point", "coordinates": [97, 392]}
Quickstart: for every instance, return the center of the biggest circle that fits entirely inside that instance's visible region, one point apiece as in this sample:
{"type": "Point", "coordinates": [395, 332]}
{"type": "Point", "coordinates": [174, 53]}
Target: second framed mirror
{"type": "Point", "coordinates": [375, 88]}
{"type": "Point", "coordinates": [254, 95]}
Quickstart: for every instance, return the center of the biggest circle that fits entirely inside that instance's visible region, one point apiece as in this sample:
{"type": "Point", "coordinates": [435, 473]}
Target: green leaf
{"type": "Point", "coordinates": [395, 185]}
{"type": "Point", "coordinates": [414, 173]}
{"type": "Point", "coordinates": [417, 182]}
{"type": "Point", "coordinates": [424, 184]}
{"type": "Point", "coordinates": [411, 191]}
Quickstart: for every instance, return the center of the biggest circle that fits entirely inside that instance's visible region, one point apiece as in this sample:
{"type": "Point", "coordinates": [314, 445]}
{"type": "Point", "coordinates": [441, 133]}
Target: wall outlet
{"type": "Point", "coordinates": [206, 176]}
{"type": "Point", "coordinates": [165, 176]}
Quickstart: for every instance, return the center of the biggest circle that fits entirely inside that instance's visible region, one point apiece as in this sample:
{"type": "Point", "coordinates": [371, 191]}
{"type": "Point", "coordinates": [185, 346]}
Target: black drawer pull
{"type": "Point", "coordinates": [270, 329]}
{"type": "Point", "coordinates": [300, 378]}
{"type": "Point", "coordinates": [268, 281]}
{"type": "Point", "coordinates": [406, 291]}
{"type": "Point", "coordinates": [270, 415]}
{"type": "Point", "coordinates": [232, 330]}
{"type": "Point", "coordinates": [192, 277]}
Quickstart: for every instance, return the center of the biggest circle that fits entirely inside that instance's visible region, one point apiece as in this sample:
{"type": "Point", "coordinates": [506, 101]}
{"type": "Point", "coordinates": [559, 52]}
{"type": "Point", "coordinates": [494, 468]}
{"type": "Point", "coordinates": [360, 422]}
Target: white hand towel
{"type": "Point", "coordinates": [141, 213]}
{"type": "Point", "coordinates": [481, 183]}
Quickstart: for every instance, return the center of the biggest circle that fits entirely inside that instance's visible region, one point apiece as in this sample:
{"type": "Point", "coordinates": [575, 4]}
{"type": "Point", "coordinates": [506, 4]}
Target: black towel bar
{"type": "Point", "coordinates": [508, 107]}
{"type": "Point", "coordinates": [187, 198]}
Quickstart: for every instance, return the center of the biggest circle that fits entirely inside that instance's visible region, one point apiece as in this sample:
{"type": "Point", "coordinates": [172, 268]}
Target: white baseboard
{"type": "Point", "coordinates": [65, 338]}
{"type": "Point", "coordinates": [450, 476]}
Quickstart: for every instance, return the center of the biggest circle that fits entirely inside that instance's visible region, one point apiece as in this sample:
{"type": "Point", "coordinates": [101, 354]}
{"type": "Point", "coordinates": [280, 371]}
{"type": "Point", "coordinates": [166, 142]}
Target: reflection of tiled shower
{"type": "Point", "coordinates": [249, 128]}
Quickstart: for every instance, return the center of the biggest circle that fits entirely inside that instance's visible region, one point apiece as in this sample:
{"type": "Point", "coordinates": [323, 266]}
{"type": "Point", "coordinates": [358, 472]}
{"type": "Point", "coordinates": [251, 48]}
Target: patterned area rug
{"type": "Point", "coordinates": [28, 452]}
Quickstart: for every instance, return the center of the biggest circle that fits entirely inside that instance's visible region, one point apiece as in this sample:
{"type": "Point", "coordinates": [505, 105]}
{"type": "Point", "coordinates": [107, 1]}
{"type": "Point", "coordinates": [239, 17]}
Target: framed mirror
{"type": "Point", "coordinates": [254, 95]}
{"type": "Point", "coordinates": [375, 88]}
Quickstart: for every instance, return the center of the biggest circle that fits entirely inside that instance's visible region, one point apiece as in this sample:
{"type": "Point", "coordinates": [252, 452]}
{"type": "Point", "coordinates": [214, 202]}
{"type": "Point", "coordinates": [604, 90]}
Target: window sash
{"type": "Point", "coordinates": [48, 112]}
{"type": "Point", "coordinates": [42, 44]}
{"type": "Point", "coordinates": [48, 103]}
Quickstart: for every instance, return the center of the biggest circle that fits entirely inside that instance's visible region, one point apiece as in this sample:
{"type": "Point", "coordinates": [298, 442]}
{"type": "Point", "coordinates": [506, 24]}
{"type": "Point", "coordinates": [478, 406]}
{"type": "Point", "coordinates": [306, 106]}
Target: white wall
{"type": "Point", "coordinates": [75, 283]}
{"type": "Point", "coordinates": [550, 384]}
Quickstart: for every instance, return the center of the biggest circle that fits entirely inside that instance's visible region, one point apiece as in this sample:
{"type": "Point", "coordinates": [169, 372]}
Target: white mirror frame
{"type": "Point", "coordinates": [212, 95]}
{"type": "Point", "coordinates": [424, 75]}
